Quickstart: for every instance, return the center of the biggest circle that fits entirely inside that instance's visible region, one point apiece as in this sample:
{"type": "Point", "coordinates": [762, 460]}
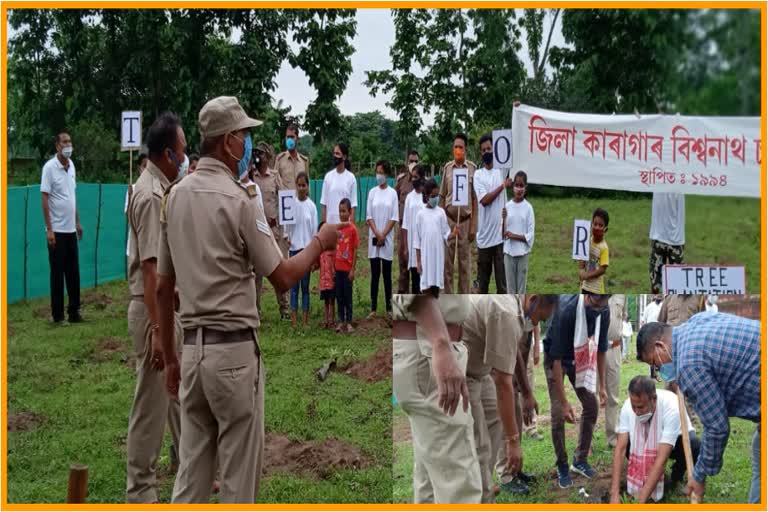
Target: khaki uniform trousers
{"type": "Point", "coordinates": [282, 298]}
{"type": "Point", "coordinates": [532, 427]}
{"type": "Point", "coordinates": [222, 415]}
{"type": "Point", "coordinates": [463, 256]}
{"type": "Point", "coordinates": [152, 407]}
{"type": "Point", "coordinates": [612, 384]}
{"type": "Point", "coordinates": [446, 468]}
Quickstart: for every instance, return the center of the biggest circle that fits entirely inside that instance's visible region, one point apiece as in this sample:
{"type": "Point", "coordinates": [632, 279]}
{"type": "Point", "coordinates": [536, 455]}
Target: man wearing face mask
{"type": "Point", "coordinates": [467, 221]}
{"type": "Point", "coordinates": [494, 331]}
{"type": "Point", "coordinates": [270, 183]}
{"type": "Point", "coordinates": [490, 187]}
{"type": "Point", "coordinates": [648, 435]}
{"type": "Point", "coordinates": [403, 187]}
{"type": "Point", "coordinates": [213, 234]}
{"type": "Point", "coordinates": [714, 358]}
{"type": "Point", "coordinates": [62, 228]}
{"type": "Point", "coordinates": [290, 162]}
{"type": "Point", "coordinates": [151, 404]}
{"type": "Point", "coordinates": [575, 346]}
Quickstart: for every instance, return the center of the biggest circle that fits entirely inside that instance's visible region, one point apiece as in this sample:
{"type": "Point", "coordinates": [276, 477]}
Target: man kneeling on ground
{"type": "Point", "coordinates": [649, 435]}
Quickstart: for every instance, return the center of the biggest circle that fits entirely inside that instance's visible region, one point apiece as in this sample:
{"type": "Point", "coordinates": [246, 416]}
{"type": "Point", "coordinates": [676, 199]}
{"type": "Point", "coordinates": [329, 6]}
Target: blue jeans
{"type": "Point", "coordinates": [754, 488]}
{"type": "Point", "coordinates": [344, 296]}
{"type": "Point", "coordinates": [304, 283]}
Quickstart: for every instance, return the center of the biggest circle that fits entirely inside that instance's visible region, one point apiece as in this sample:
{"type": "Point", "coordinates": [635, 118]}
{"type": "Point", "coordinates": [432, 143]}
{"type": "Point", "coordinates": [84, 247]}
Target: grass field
{"type": "Point", "coordinates": [70, 391]}
{"type": "Point", "coordinates": [730, 486]}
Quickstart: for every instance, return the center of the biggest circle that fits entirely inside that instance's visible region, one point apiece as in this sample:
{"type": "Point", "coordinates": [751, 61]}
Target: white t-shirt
{"type": "Point", "coordinates": [301, 233]}
{"type": "Point", "coordinates": [432, 232]}
{"type": "Point", "coordinates": [626, 329]}
{"type": "Point", "coordinates": [337, 186]}
{"type": "Point", "coordinates": [488, 217]}
{"type": "Point", "coordinates": [711, 307]}
{"type": "Point", "coordinates": [520, 221]}
{"type": "Point", "coordinates": [414, 203]}
{"type": "Point", "coordinates": [668, 218]}
{"type": "Point", "coordinates": [669, 419]}
{"type": "Point", "coordinates": [382, 207]}
{"type": "Point", "coordinates": [59, 184]}
{"type": "Point", "coordinates": [651, 312]}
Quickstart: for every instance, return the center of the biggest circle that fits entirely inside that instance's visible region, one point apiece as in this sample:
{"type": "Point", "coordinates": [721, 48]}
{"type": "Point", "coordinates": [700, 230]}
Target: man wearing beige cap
{"type": "Point", "coordinates": [269, 183]}
{"type": "Point", "coordinates": [214, 234]}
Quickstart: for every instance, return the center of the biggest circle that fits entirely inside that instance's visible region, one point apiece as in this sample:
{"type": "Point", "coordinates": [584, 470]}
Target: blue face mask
{"type": "Point", "coordinates": [290, 144]}
{"type": "Point", "coordinates": [245, 161]}
{"type": "Point", "coordinates": [667, 371]}
{"type": "Point", "coordinates": [433, 201]}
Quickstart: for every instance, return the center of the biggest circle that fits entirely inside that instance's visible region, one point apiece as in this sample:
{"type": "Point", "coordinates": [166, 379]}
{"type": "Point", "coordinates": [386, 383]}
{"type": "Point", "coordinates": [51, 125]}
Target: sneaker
{"type": "Point", "coordinates": [75, 319]}
{"type": "Point", "coordinates": [563, 476]}
{"type": "Point", "coordinates": [536, 435]}
{"type": "Point", "coordinates": [583, 469]}
{"type": "Point", "coordinates": [515, 486]}
{"type": "Point", "coordinates": [526, 477]}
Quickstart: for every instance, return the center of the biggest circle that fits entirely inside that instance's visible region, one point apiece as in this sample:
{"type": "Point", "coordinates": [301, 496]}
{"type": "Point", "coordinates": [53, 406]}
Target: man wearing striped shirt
{"type": "Point", "coordinates": [714, 358]}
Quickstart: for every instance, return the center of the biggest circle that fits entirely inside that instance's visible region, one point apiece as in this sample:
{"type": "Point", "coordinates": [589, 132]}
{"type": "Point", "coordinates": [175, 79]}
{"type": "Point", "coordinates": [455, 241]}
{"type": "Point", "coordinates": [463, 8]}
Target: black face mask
{"type": "Point", "coordinates": [337, 161]}
{"type": "Point", "coordinates": [487, 158]}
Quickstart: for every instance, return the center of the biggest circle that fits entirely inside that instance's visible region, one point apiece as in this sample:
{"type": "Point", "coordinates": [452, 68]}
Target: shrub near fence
{"type": "Point", "coordinates": [102, 249]}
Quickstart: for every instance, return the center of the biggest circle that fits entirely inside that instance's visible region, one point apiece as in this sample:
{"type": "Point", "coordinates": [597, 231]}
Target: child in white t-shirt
{"type": "Point", "coordinates": [432, 233]}
{"type": "Point", "coordinates": [518, 227]}
{"type": "Point", "coordinates": [299, 236]}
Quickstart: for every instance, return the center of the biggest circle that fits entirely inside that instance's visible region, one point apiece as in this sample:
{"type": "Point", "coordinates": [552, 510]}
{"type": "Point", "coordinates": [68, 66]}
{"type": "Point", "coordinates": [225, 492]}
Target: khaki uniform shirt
{"type": "Point", "coordinates": [492, 331]}
{"type": "Point", "coordinates": [446, 190]}
{"type": "Point", "coordinates": [677, 309]}
{"type": "Point", "coordinates": [288, 167]}
{"type": "Point", "coordinates": [403, 187]}
{"type": "Point", "coordinates": [144, 221]}
{"type": "Point", "coordinates": [269, 184]}
{"type": "Point", "coordinates": [617, 305]}
{"type": "Point", "coordinates": [453, 307]}
{"type": "Point", "coordinates": [214, 234]}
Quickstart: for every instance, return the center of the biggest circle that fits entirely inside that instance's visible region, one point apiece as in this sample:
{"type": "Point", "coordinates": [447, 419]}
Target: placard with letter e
{"type": "Point", "coordinates": [460, 192]}
{"type": "Point", "coordinates": [704, 279]}
{"type": "Point", "coordinates": [581, 239]}
{"type": "Point", "coordinates": [286, 207]}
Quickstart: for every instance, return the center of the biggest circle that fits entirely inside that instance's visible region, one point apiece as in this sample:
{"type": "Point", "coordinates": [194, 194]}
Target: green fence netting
{"type": "Point", "coordinates": [102, 250]}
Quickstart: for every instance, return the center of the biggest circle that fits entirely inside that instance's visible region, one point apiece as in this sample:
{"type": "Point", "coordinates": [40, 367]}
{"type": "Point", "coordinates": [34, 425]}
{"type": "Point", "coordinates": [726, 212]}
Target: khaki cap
{"type": "Point", "coordinates": [224, 115]}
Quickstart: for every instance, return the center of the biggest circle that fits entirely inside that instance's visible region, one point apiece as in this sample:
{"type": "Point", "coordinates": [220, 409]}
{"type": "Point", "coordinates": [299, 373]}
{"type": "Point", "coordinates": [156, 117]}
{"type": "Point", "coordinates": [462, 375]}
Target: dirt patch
{"type": "Point", "coordinates": [107, 348]}
{"type": "Point", "coordinates": [560, 280]}
{"type": "Point", "coordinates": [598, 489]}
{"type": "Point", "coordinates": [401, 430]}
{"type": "Point", "coordinates": [42, 312]}
{"type": "Point", "coordinates": [24, 421]}
{"type": "Point", "coordinates": [628, 284]}
{"type": "Point", "coordinates": [97, 299]}
{"type": "Point", "coordinates": [374, 326]}
{"type": "Point", "coordinates": [11, 331]}
{"type": "Point", "coordinates": [317, 460]}
{"type": "Point", "coordinates": [129, 361]}
{"type": "Point", "coordinates": [375, 368]}
{"type": "Point", "coordinates": [638, 253]}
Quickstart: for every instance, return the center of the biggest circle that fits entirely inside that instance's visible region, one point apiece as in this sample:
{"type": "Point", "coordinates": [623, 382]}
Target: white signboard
{"type": "Point", "coordinates": [704, 279]}
{"type": "Point", "coordinates": [286, 207]}
{"type": "Point", "coordinates": [581, 239]}
{"type": "Point", "coordinates": [130, 130]}
{"type": "Point", "coordinates": [716, 156]}
{"type": "Point", "coordinates": [460, 193]}
{"type": "Point", "coordinates": [502, 149]}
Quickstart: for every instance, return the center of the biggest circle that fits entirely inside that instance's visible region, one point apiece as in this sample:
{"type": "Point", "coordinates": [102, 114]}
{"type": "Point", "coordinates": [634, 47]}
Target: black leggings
{"type": "Point", "coordinates": [415, 281]}
{"type": "Point", "coordinates": [376, 265]}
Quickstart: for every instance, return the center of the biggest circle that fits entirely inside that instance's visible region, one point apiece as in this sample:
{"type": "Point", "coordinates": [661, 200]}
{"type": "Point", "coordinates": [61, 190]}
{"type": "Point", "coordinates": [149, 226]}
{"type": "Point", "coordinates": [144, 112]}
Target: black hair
{"type": "Point", "coordinates": [194, 157]}
{"type": "Point", "coordinates": [420, 170]}
{"type": "Point", "coordinates": [599, 212]}
{"type": "Point", "coordinates": [429, 186]}
{"type": "Point", "coordinates": [648, 335]}
{"type": "Point", "coordinates": [346, 202]}
{"type": "Point", "coordinates": [462, 136]}
{"type": "Point", "coordinates": [142, 156]}
{"type": "Point", "coordinates": [294, 128]}
{"type": "Point", "coordinates": [163, 133]}
{"type": "Point", "coordinates": [58, 135]}
{"type": "Point", "coordinates": [414, 152]}
{"type": "Point", "coordinates": [302, 176]}
{"type": "Point", "coordinates": [344, 148]}
{"type": "Point", "coordinates": [384, 164]}
{"type": "Point", "coordinates": [485, 138]}
{"type": "Point", "coordinates": [642, 385]}
{"type": "Point", "coordinates": [521, 174]}
{"type": "Point", "coordinates": [548, 299]}
{"type": "Point", "coordinates": [209, 144]}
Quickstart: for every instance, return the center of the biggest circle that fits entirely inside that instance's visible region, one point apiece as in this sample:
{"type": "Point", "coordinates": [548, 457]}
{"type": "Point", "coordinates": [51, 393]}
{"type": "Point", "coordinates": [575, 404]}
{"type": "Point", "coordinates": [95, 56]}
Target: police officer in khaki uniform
{"type": "Point", "coordinates": [214, 233]}
{"type": "Point", "coordinates": [467, 221]}
{"type": "Point", "coordinates": [270, 183]}
{"type": "Point", "coordinates": [617, 306]}
{"type": "Point", "coordinates": [151, 404]}
{"type": "Point", "coordinates": [678, 308]}
{"type": "Point", "coordinates": [428, 379]}
{"type": "Point", "coordinates": [496, 327]}
{"type": "Point", "coordinates": [290, 162]}
{"type": "Point", "coordinates": [403, 187]}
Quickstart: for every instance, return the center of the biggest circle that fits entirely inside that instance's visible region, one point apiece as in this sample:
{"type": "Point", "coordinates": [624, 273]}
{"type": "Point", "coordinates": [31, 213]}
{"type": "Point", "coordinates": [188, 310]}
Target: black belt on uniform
{"type": "Point", "coordinates": [406, 330]}
{"type": "Point", "coordinates": [212, 337]}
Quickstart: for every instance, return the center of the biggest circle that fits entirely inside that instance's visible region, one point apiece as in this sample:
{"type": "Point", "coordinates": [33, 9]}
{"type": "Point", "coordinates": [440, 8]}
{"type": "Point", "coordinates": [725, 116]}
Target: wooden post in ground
{"type": "Point", "coordinates": [686, 442]}
{"type": "Point", "coordinates": [77, 489]}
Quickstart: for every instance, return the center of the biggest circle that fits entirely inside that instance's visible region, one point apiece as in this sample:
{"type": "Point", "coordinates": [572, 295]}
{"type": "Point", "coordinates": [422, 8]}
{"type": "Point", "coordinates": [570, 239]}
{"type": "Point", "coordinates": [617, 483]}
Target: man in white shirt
{"type": "Point", "coordinates": [667, 234]}
{"type": "Point", "coordinates": [651, 311]}
{"type": "Point", "coordinates": [490, 188]}
{"type": "Point", "coordinates": [649, 424]}
{"type": "Point", "coordinates": [711, 304]}
{"type": "Point", "coordinates": [62, 228]}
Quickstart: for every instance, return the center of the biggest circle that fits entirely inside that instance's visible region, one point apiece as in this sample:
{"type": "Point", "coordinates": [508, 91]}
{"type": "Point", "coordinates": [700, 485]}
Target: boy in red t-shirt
{"type": "Point", "coordinates": [346, 259]}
